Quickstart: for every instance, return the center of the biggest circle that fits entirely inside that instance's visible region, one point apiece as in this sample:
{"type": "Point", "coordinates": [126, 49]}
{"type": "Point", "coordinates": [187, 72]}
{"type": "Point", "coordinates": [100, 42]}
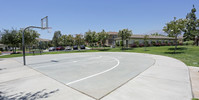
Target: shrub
{"type": "Point", "coordinates": [166, 42]}
{"type": "Point", "coordinates": [153, 43]}
{"type": "Point", "coordinates": [160, 43]}
{"type": "Point", "coordinates": [171, 43]}
{"type": "Point", "coordinates": [141, 45]}
{"type": "Point", "coordinates": [157, 44]}
{"type": "Point", "coordinates": [133, 45]}
{"type": "Point", "coordinates": [180, 43]}
{"type": "Point", "coordinates": [136, 42]}
{"type": "Point", "coordinates": [121, 43]}
{"type": "Point", "coordinates": [146, 43]}
{"type": "Point", "coordinates": [0, 52]}
{"type": "Point", "coordinates": [163, 44]}
{"type": "Point", "coordinates": [117, 43]}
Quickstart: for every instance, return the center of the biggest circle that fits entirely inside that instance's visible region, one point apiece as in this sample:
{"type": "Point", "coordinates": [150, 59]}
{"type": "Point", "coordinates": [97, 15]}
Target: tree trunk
{"type": "Point", "coordinates": [197, 40]}
{"type": "Point", "coordinates": [175, 44]}
{"type": "Point", "coordinates": [92, 46]}
{"type": "Point", "coordinates": [15, 49]}
{"type": "Point", "coordinates": [144, 46]}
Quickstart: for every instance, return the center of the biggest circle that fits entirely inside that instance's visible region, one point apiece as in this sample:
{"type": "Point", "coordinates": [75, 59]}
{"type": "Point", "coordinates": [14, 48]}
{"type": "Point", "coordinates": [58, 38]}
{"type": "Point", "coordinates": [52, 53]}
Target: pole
{"type": "Point", "coordinates": [23, 42]}
{"type": "Point", "coordinates": [23, 46]}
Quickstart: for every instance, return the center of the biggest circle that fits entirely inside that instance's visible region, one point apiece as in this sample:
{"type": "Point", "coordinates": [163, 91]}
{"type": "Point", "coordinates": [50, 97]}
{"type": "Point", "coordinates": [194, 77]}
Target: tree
{"type": "Point", "coordinates": [145, 41]}
{"type": "Point", "coordinates": [125, 34]}
{"type": "Point", "coordinates": [63, 40]}
{"type": "Point", "coordinates": [192, 27]}
{"type": "Point", "coordinates": [29, 37]}
{"type": "Point", "coordinates": [157, 34]}
{"type": "Point", "coordinates": [91, 37]}
{"type": "Point", "coordinates": [11, 38]}
{"type": "Point", "coordinates": [102, 37]}
{"type": "Point", "coordinates": [56, 38]}
{"type": "Point", "coordinates": [175, 28]}
{"type": "Point", "coordinates": [79, 40]}
{"type": "Point", "coordinates": [70, 40]}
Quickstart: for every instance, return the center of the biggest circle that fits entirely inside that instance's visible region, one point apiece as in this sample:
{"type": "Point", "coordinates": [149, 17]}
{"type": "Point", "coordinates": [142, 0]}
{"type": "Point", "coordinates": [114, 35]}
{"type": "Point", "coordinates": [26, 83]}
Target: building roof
{"type": "Point", "coordinates": [40, 39]}
{"type": "Point", "coordinates": [113, 33]}
{"type": "Point", "coordinates": [150, 37]}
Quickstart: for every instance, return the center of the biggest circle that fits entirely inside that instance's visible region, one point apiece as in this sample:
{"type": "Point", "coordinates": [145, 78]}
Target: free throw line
{"type": "Point", "coordinates": [118, 62]}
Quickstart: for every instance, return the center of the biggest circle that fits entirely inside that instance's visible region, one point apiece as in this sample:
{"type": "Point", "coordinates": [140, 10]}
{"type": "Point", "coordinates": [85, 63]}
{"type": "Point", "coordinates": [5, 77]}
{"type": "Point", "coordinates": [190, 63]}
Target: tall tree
{"type": "Point", "coordinates": [56, 38]}
{"type": "Point", "coordinates": [70, 40]}
{"type": "Point", "coordinates": [175, 28]}
{"type": "Point", "coordinates": [63, 40]}
{"type": "Point", "coordinates": [91, 38]}
{"type": "Point", "coordinates": [29, 37]}
{"type": "Point", "coordinates": [102, 37]}
{"type": "Point", "coordinates": [125, 34]}
{"type": "Point", "coordinates": [79, 39]}
{"type": "Point", "coordinates": [11, 38]}
{"type": "Point", "coordinates": [192, 32]}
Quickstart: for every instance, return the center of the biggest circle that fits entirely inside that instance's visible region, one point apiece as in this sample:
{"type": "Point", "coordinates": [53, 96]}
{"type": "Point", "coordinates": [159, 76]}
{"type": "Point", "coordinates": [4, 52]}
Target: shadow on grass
{"type": "Point", "coordinates": [179, 48]}
{"type": "Point", "coordinates": [104, 49]}
{"type": "Point", "coordinates": [146, 50]}
{"type": "Point", "coordinates": [27, 96]}
{"type": "Point", "coordinates": [127, 49]}
{"type": "Point", "coordinates": [173, 52]}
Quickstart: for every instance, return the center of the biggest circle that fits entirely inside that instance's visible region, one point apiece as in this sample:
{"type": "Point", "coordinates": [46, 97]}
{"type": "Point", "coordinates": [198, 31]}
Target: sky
{"type": "Point", "coordinates": [79, 16]}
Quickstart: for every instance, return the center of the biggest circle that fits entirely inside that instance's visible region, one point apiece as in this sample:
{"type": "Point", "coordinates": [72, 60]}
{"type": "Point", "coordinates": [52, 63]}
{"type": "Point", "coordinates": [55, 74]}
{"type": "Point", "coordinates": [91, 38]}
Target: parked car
{"type": "Point", "coordinates": [52, 49]}
{"type": "Point", "coordinates": [82, 47]}
{"type": "Point", "coordinates": [60, 48]}
{"type": "Point", "coordinates": [75, 47]}
{"type": "Point", "coordinates": [68, 48]}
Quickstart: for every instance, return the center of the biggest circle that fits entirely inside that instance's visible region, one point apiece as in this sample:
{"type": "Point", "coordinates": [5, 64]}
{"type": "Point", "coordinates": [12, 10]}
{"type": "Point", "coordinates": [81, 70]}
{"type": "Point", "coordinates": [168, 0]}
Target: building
{"type": "Point", "coordinates": [42, 43]}
{"type": "Point", "coordinates": [3, 47]}
{"type": "Point", "coordinates": [112, 38]}
{"type": "Point", "coordinates": [140, 39]}
{"type": "Point", "coordinates": [43, 40]}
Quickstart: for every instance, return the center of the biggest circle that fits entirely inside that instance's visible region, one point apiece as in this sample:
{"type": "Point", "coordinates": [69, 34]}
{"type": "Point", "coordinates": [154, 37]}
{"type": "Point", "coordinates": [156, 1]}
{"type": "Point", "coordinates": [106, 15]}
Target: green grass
{"type": "Point", "coordinates": [187, 54]}
{"type": "Point", "coordinates": [195, 99]}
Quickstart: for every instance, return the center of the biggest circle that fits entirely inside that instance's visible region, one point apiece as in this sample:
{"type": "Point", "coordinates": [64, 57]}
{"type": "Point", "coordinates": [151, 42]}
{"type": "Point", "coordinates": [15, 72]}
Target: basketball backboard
{"type": "Point", "coordinates": [44, 23]}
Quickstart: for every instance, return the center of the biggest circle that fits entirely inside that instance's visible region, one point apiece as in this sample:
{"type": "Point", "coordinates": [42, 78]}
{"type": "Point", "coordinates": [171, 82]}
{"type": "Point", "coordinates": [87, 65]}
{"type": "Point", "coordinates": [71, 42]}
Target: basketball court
{"type": "Point", "coordinates": [94, 74]}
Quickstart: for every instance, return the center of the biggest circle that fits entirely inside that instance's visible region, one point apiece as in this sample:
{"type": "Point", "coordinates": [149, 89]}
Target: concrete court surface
{"type": "Point", "coordinates": [106, 76]}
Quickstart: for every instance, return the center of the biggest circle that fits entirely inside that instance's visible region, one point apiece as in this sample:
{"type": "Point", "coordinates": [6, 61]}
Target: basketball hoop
{"type": "Point", "coordinates": [44, 25]}
{"type": "Point", "coordinates": [44, 22]}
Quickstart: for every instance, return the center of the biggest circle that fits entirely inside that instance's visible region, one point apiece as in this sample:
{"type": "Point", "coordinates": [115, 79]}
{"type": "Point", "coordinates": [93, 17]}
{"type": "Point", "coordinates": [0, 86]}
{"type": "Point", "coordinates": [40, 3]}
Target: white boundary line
{"type": "Point", "coordinates": [118, 62]}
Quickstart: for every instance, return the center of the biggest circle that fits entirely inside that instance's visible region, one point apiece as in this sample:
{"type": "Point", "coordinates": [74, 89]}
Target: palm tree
{"type": "Point", "coordinates": [125, 34]}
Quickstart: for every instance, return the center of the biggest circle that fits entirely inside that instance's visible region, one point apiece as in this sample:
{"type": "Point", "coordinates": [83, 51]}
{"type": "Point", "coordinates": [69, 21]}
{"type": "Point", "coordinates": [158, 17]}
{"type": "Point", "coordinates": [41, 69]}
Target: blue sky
{"type": "Point", "coordinates": [78, 16]}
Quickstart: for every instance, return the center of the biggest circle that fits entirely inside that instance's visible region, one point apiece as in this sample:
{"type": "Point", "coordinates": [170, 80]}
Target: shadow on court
{"type": "Point", "coordinates": [27, 96]}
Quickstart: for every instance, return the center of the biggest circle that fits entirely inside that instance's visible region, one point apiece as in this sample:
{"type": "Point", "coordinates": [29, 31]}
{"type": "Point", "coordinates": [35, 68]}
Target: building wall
{"type": "Point", "coordinates": [141, 41]}
{"type": "Point", "coordinates": [3, 47]}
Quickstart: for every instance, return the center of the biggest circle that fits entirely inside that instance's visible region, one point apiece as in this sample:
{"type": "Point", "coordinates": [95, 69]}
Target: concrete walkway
{"type": "Point", "coordinates": [167, 79]}
{"type": "Point", "coordinates": [194, 72]}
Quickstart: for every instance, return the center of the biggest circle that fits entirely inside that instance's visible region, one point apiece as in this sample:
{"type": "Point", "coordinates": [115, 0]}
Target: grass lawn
{"type": "Point", "coordinates": [187, 54]}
